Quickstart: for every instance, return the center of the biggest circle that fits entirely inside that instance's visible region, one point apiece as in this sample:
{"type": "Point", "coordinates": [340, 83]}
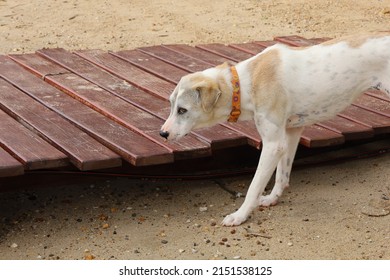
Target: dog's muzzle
{"type": "Point", "coordinates": [164, 134]}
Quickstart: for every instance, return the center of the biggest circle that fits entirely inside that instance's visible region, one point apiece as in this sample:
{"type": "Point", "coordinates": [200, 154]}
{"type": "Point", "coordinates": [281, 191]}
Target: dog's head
{"type": "Point", "coordinates": [193, 104]}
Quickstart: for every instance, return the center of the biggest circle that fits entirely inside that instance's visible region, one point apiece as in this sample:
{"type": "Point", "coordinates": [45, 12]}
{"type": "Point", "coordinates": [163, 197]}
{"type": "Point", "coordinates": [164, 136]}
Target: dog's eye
{"type": "Point", "coordinates": [181, 111]}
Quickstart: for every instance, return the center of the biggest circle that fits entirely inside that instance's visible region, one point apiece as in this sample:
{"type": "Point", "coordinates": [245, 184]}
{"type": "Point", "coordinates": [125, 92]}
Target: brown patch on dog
{"type": "Point", "coordinates": [267, 91]}
{"type": "Point", "coordinates": [224, 65]}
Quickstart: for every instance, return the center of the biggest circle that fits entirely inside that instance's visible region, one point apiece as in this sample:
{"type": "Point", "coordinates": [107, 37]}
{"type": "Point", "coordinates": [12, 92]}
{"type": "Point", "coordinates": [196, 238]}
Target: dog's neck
{"type": "Point", "coordinates": [236, 96]}
{"type": "Point", "coordinates": [223, 76]}
{"type": "Point", "coordinates": [247, 104]}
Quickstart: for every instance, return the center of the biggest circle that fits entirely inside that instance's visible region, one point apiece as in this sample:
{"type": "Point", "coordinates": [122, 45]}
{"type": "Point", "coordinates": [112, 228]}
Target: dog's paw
{"type": "Point", "coordinates": [268, 200]}
{"type": "Point", "coordinates": [233, 220]}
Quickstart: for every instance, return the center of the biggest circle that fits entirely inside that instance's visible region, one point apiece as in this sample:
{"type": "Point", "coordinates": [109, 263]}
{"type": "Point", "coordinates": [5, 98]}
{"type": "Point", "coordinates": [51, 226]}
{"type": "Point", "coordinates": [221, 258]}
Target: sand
{"type": "Point", "coordinates": [334, 211]}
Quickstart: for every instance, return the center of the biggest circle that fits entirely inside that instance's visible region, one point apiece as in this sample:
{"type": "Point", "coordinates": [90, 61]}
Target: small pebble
{"type": "Point", "coordinates": [14, 245]}
{"type": "Point", "coordinates": [103, 217]}
{"type": "Point", "coordinates": [181, 251]}
{"type": "Point", "coordinates": [386, 11]}
{"type": "Point", "coordinates": [164, 241]}
{"type": "Point", "coordinates": [289, 244]}
{"type": "Point", "coordinates": [237, 257]}
{"type": "Point", "coordinates": [203, 209]}
{"type": "Point", "coordinates": [217, 254]}
{"type": "Point", "coordinates": [89, 257]}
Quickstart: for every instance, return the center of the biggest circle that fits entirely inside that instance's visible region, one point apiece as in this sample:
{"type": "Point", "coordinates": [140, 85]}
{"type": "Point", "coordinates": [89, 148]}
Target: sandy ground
{"type": "Point", "coordinates": [330, 212]}
{"type": "Point", "coordinates": [26, 26]}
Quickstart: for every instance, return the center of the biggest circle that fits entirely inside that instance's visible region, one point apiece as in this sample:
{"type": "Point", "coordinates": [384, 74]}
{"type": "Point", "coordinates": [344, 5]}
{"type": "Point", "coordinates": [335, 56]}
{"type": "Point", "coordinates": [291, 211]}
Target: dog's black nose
{"type": "Point", "coordinates": [164, 134]}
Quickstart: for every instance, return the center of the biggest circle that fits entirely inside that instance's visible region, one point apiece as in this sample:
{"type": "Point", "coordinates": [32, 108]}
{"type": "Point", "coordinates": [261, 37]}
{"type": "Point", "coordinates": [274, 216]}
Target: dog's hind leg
{"type": "Point", "coordinates": [272, 151]}
{"type": "Point", "coordinates": [283, 169]}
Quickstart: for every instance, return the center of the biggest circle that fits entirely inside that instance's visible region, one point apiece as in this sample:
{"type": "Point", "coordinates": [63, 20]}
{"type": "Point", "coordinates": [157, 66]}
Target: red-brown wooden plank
{"type": "Point", "coordinates": [250, 48]}
{"type": "Point", "coordinates": [143, 80]}
{"type": "Point", "coordinates": [90, 72]}
{"type": "Point", "coordinates": [315, 136]}
{"type": "Point", "coordinates": [83, 151]}
{"type": "Point", "coordinates": [294, 40]}
{"type": "Point", "coordinates": [125, 114]}
{"type": "Point", "coordinates": [265, 44]}
{"type": "Point", "coordinates": [225, 51]}
{"type": "Point", "coordinates": [218, 137]}
{"type": "Point", "coordinates": [378, 94]}
{"type": "Point", "coordinates": [373, 104]}
{"type": "Point", "coordinates": [166, 59]}
{"type": "Point", "coordinates": [206, 59]}
{"type": "Point", "coordinates": [9, 166]}
{"type": "Point", "coordinates": [152, 65]}
{"type": "Point", "coordinates": [350, 129]}
{"type": "Point", "coordinates": [319, 40]}
{"type": "Point", "coordinates": [249, 130]}
{"type": "Point", "coordinates": [129, 145]}
{"type": "Point", "coordinates": [197, 53]}
{"type": "Point", "coordinates": [179, 59]}
{"type": "Point", "coordinates": [380, 124]}
{"type": "Point", "coordinates": [32, 151]}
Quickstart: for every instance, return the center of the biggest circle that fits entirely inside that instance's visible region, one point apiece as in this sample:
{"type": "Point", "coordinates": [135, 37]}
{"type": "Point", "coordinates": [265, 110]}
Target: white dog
{"type": "Point", "coordinates": [283, 89]}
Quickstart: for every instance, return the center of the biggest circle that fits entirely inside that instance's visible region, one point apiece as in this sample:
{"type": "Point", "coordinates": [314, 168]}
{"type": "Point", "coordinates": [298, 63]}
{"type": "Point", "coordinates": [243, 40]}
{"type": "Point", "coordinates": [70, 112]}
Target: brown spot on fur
{"type": "Point", "coordinates": [224, 65]}
{"type": "Point", "coordinates": [267, 91]}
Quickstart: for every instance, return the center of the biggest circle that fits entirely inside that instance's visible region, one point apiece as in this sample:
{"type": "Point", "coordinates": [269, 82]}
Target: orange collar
{"type": "Point", "coordinates": [236, 101]}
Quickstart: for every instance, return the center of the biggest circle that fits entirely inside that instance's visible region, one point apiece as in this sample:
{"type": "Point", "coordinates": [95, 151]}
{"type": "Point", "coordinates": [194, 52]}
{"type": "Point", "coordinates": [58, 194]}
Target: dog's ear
{"type": "Point", "coordinates": [226, 64]}
{"type": "Point", "coordinates": [209, 94]}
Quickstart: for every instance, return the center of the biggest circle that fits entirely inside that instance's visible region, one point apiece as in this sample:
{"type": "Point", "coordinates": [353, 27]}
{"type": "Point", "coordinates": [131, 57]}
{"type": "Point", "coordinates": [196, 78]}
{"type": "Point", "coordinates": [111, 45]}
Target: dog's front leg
{"type": "Point", "coordinates": [271, 154]}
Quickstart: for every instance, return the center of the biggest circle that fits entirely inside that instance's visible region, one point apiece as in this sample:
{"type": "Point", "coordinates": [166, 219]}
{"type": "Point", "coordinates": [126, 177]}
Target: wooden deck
{"type": "Point", "coordinates": [94, 109]}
